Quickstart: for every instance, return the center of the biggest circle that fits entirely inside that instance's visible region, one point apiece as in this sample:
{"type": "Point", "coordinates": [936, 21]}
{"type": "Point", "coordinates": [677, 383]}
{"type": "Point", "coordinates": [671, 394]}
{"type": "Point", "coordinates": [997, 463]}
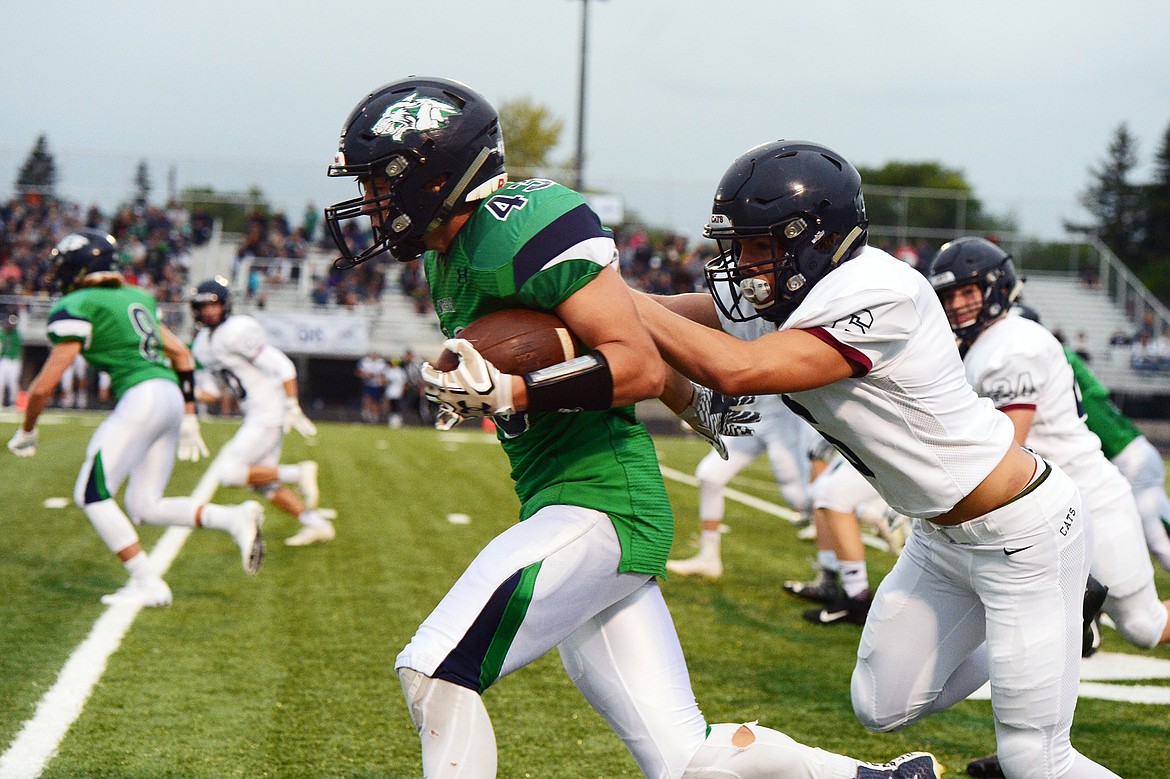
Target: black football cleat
{"type": "Point", "coordinates": [986, 767]}
{"type": "Point", "coordinates": [1095, 593]}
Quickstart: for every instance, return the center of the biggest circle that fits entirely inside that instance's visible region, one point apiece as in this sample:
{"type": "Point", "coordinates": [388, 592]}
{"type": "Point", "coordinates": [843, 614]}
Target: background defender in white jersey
{"type": "Point", "coordinates": [859, 344]}
{"type": "Point", "coordinates": [234, 349]}
{"type": "Point", "coordinates": [115, 326]}
{"type": "Point", "coordinates": [1022, 368]}
{"type": "Point", "coordinates": [842, 499]}
{"type": "Point", "coordinates": [784, 438]}
{"type": "Point", "coordinates": [579, 571]}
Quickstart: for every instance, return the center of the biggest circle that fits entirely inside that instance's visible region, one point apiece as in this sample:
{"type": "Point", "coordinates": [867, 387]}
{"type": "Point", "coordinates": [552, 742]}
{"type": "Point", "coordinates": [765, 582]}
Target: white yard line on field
{"type": "Point", "coordinates": [760, 505]}
{"type": "Point", "coordinates": [37, 741]}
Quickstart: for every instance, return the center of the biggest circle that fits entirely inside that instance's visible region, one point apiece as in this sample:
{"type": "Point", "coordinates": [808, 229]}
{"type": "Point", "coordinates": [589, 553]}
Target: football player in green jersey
{"type": "Point", "coordinates": [579, 572]}
{"type": "Point", "coordinates": [115, 326]}
{"type": "Point", "coordinates": [11, 353]}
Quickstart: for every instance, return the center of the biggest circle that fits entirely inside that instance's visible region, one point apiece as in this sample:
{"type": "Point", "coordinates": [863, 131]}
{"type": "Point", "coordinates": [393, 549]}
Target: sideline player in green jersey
{"type": "Point", "coordinates": [11, 351]}
{"type": "Point", "coordinates": [579, 571]}
{"type": "Point", "coordinates": [115, 326]}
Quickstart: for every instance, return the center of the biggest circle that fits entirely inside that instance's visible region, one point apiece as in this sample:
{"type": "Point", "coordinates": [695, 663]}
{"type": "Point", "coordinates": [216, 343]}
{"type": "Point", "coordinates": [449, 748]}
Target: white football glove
{"type": "Point", "coordinates": [191, 446]}
{"type": "Point", "coordinates": [476, 388]}
{"type": "Point", "coordinates": [446, 418]}
{"type": "Point", "coordinates": [23, 444]}
{"type": "Point", "coordinates": [713, 415]}
{"type": "Point", "coordinates": [295, 419]}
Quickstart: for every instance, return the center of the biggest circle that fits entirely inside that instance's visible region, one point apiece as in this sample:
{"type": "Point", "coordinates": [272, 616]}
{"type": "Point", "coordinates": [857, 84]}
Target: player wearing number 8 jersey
{"type": "Point", "coordinates": [115, 326]}
{"type": "Point", "coordinates": [859, 344]}
{"type": "Point", "coordinates": [234, 349]}
{"type": "Point", "coordinates": [578, 573]}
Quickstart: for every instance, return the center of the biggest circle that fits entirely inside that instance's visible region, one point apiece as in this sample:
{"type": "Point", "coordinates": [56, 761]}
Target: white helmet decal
{"type": "Point", "coordinates": [413, 113]}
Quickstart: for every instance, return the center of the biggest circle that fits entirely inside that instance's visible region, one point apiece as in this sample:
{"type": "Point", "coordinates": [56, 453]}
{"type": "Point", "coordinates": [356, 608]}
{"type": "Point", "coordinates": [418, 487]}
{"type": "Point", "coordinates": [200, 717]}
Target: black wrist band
{"type": "Point", "coordinates": [187, 385]}
{"type": "Point", "coordinates": [580, 384]}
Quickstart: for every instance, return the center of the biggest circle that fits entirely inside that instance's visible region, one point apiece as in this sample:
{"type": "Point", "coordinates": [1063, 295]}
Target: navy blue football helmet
{"type": "Point", "coordinates": [419, 147]}
{"type": "Point", "coordinates": [211, 291]}
{"type": "Point", "coordinates": [81, 253]}
{"type": "Point", "coordinates": [978, 261]}
{"type": "Point", "coordinates": [806, 199]}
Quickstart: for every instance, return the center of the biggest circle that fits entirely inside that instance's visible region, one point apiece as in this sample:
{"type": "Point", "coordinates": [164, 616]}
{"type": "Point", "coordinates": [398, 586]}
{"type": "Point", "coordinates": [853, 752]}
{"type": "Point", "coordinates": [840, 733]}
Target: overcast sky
{"type": "Point", "coordinates": [1023, 96]}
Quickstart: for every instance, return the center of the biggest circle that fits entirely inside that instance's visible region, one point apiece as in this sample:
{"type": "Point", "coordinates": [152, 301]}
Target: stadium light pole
{"type": "Point", "coordinates": [579, 164]}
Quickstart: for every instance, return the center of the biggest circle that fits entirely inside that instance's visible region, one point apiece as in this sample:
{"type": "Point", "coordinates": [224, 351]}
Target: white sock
{"type": "Point", "coordinates": [139, 567]}
{"type": "Point", "coordinates": [219, 517]}
{"type": "Point", "coordinates": [288, 474]}
{"type": "Point", "coordinates": [854, 577]}
{"type": "Point", "coordinates": [312, 518]}
{"type": "Point", "coordinates": [827, 559]}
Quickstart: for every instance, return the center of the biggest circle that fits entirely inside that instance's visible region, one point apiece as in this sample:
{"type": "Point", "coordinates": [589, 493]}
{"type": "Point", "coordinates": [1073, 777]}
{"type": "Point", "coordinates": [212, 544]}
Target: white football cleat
{"type": "Point", "coordinates": [247, 535]}
{"type": "Point", "coordinates": [703, 564]}
{"type": "Point", "coordinates": [308, 484]}
{"type": "Point", "coordinates": [141, 592]}
{"type": "Point", "coordinates": [312, 534]}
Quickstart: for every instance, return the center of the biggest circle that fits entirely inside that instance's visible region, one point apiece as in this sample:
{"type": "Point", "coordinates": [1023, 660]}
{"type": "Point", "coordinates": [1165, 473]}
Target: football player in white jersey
{"type": "Point", "coordinates": [234, 349]}
{"type": "Point", "coordinates": [780, 434]}
{"type": "Point", "coordinates": [1022, 368]}
{"type": "Point", "coordinates": [859, 345]}
{"type": "Point", "coordinates": [842, 499]}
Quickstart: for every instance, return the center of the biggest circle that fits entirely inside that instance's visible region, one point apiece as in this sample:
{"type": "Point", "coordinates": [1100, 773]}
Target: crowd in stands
{"type": "Point", "coordinates": [154, 243]}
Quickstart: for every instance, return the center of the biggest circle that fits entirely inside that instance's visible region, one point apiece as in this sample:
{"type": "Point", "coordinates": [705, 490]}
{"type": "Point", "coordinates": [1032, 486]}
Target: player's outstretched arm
{"type": "Point", "coordinates": [784, 361]}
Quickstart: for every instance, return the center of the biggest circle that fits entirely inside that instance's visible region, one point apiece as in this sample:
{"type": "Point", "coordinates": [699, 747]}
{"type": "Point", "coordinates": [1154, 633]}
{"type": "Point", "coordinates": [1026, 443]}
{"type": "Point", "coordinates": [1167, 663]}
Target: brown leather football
{"type": "Point", "coordinates": [517, 340]}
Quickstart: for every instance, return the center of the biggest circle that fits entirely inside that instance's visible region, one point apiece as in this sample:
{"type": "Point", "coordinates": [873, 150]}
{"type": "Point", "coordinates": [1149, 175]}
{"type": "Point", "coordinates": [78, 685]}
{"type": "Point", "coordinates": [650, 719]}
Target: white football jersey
{"type": "Point", "coordinates": [1017, 363]}
{"type": "Point", "coordinates": [238, 354]}
{"type": "Point", "coordinates": [908, 420]}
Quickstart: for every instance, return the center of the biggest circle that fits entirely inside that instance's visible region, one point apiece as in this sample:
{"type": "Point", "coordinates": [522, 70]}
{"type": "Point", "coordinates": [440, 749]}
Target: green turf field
{"type": "Point", "coordinates": [289, 673]}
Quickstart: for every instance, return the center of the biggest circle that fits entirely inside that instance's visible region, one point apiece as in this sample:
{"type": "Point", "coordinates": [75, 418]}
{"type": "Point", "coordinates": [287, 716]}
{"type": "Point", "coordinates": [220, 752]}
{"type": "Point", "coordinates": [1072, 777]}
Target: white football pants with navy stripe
{"type": "Point", "coordinates": [136, 445]}
{"type": "Point", "coordinates": [552, 581]}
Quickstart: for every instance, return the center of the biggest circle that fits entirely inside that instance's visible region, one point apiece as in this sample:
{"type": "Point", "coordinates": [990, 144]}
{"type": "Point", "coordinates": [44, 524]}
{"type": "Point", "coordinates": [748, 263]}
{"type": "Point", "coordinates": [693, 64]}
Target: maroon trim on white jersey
{"type": "Point", "coordinates": [861, 364]}
{"type": "Point", "coordinates": [1018, 406]}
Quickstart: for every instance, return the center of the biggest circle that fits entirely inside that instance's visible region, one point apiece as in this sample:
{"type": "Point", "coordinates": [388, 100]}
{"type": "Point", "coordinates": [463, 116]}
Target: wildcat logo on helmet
{"type": "Point", "coordinates": [72, 243]}
{"type": "Point", "coordinates": [414, 114]}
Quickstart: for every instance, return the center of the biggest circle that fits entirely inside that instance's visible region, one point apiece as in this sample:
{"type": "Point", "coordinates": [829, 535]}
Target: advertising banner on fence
{"type": "Point", "coordinates": [316, 335]}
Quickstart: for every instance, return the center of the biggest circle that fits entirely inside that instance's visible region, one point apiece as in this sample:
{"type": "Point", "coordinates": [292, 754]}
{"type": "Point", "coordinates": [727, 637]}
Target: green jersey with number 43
{"type": "Point", "coordinates": [118, 330]}
{"type": "Point", "coordinates": [532, 245]}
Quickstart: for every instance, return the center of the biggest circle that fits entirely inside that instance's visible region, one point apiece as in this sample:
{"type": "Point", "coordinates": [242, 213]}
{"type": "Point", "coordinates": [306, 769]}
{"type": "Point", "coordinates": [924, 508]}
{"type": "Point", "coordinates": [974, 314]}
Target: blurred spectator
{"type": "Point", "coordinates": [1150, 353]}
{"type": "Point", "coordinates": [1089, 277]}
{"type": "Point", "coordinates": [1081, 346]}
{"type": "Point", "coordinates": [11, 358]}
{"type": "Point", "coordinates": [321, 295]}
{"type": "Point", "coordinates": [371, 371]}
{"type": "Point", "coordinates": [395, 377]}
{"type": "Point", "coordinates": [1120, 338]}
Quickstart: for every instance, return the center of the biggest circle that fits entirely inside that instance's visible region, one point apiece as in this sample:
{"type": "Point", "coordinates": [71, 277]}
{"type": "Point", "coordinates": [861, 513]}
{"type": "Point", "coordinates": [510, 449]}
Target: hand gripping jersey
{"type": "Point", "coordinates": [532, 245]}
{"type": "Point", "coordinates": [907, 419]}
{"type": "Point", "coordinates": [238, 354]}
{"type": "Point", "coordinates": [118, 330]}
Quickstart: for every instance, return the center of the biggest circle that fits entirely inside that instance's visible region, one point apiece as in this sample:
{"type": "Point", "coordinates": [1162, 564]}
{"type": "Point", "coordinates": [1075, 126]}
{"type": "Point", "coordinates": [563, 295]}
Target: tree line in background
{"type": "Point", "coordinates": [1131, 218]}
